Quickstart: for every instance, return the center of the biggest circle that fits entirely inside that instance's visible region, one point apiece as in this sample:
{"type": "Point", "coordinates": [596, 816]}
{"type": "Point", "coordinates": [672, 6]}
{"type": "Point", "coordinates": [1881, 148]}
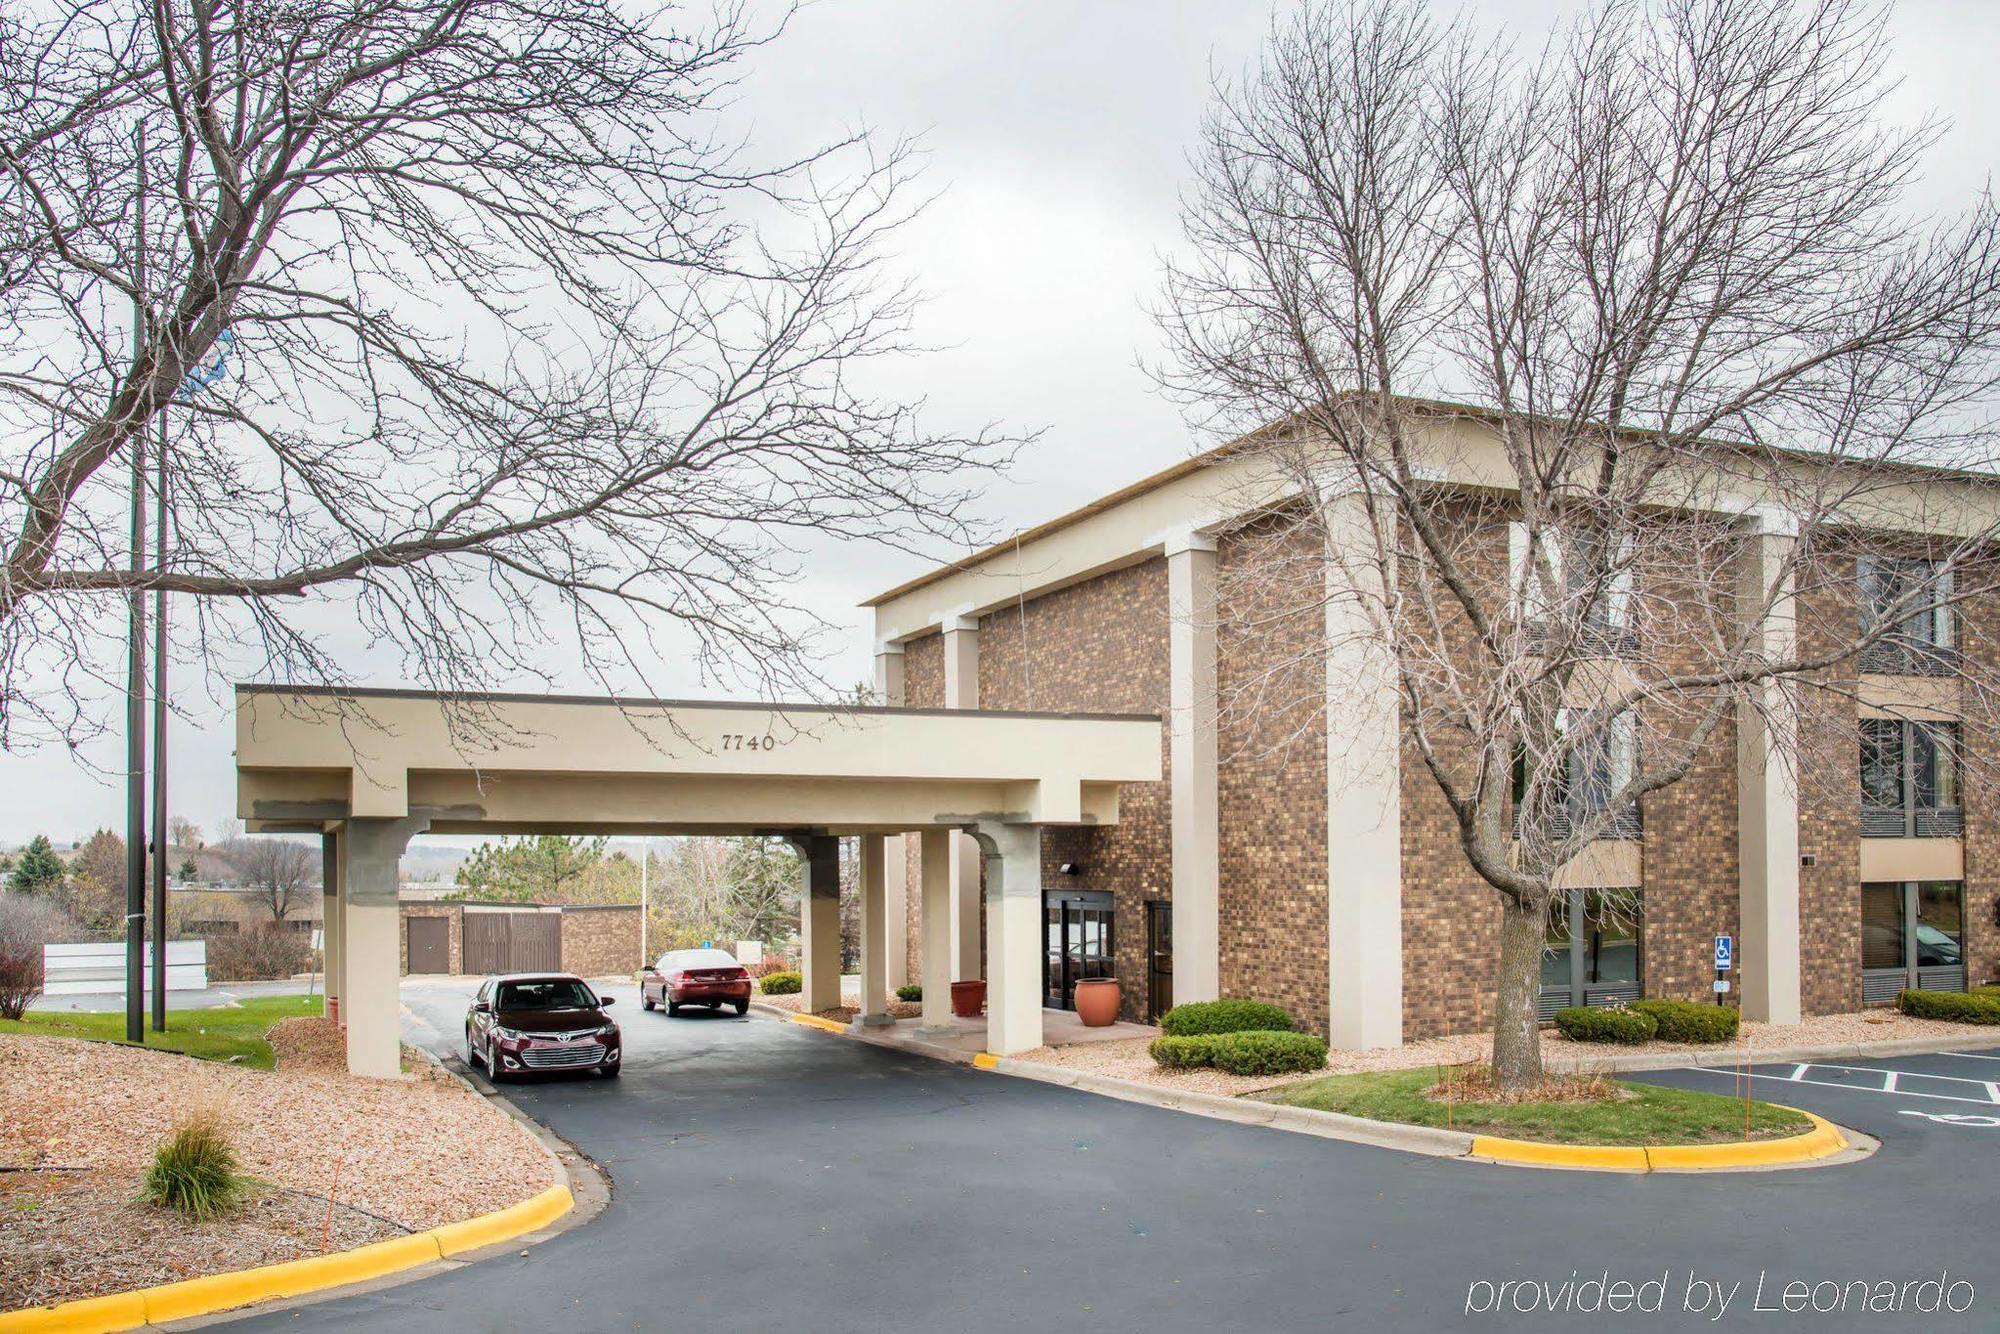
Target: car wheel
{"type": "Point", "coordinates": [742, 1007]}
{"type": "Point", "coordinates": [645, 1001]}
{"type": "Point", "coordinates": [607, 1072]}
{"type": "Point", "coordinates": [673, 1007]}
{"type": "Point", "coordinates": [472, 1056]}
{"type": "Point", "coordinates": [493, 1067]}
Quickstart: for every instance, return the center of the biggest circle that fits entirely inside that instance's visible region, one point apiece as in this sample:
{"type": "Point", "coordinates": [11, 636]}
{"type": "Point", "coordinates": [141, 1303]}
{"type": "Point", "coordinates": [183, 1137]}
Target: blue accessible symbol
{"type": "Point", "coordinates": [1725, 953]}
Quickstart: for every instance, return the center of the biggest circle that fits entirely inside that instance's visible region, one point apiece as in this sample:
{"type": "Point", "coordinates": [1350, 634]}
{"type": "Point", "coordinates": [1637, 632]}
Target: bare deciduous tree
{"type": "Point", "coordinates": [1718, 357]}
{"type": "Point", "coordinates": [516, 343]}
{"type": "Point", "coordinates": [284, 873]}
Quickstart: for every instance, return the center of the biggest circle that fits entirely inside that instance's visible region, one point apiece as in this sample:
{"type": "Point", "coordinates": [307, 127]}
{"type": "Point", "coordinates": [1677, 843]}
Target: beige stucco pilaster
{"type": "Point", "coordinates": [1014, 938]}
{"type": "Point", "coordinates": [874, 933]}
{"type": "Point", "coordinates": [935, 883]}
{"type": "Point", "coordinates": [371, 1002]}
{"type": "Point", "coordinates": [1364, 858]}
{"type": "Point", "coordinates": [1191, 750]}
{"type": "Point", "coordinates": [961, 691]}
{"type": "Point", "coordinates": [895, 868]}
{"type": "Point", "coordinates": [819, 922]}
{"type": "Point", "coordinates": [1766, 791]}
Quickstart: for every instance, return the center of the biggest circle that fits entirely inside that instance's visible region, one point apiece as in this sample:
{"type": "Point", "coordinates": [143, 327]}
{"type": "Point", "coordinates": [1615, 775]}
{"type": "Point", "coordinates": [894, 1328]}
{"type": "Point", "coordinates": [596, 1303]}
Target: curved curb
{"type": "Point", "coordinates": [1822, 1141]}
{"type": "Point", "coordinates": [293, 1278]}
{"type": "Point", "coordinates": [814, 1021]}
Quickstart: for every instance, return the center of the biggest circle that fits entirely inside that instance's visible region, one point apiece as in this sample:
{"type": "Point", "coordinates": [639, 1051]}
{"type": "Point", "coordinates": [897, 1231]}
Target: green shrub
{"type": "Point", "coordinates": [1267, 1053]}
{"type": "Point", "coordinates": [1591, 1023]}
{"type": "Point", "coordinates": [781, 984]}
{"type": "Point", "coordinates": [195, 1171]}
{"type": "Point", "coordinates": [1224, 1016]}
{"type": "Point", "coordinates": [1689, 1021]}
{"type": "Point", "coordinates": [910, 992]}
{"type": "Point", "coordinates": [1960, 1007]}
{"type": "Point", "coordinates": [1191, 1052]}
{"type": "Point", "coordinates": [1990, 989]}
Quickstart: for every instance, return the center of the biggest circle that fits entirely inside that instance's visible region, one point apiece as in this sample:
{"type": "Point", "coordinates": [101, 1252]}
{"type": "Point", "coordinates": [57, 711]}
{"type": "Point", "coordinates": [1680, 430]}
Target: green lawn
{"type": "Point", "coordinates": [215, 1034]}
{"type": "Point", "coordinates": [1654, 1116]}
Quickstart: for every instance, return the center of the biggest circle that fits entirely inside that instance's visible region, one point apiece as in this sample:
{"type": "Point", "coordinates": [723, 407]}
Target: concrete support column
{"type": "Point", "coordinates": [1192, 768]}
{"type": "Point", "coordinates": [1014, 937]}
{"type": "Point", "coordinates": [874, 934]}
{"type": "Point", "coordinates": [371, 1002]}
{"type": "Point", "coordinates": [935, 882]}
{"type": "Point", "coordinates": [895, 867]}
{"type": "Point", "coordinates": [1766, 792]}
{"type": "Point", "coordinates": [961, 691]}
{"type": "Point", "coordinates": [1364, 825]}
{"type": "Point", "coordinates": [330, 900]}
{"type": "Point", "coordinates": [819, 924]}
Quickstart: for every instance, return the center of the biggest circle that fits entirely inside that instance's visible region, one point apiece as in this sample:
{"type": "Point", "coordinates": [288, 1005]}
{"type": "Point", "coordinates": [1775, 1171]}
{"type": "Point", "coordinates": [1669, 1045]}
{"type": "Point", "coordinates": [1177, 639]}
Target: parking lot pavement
{"type": "Point", "coordinates": [765, 1176]}
{"type": "Point", "coordinates": [1929, 1111]}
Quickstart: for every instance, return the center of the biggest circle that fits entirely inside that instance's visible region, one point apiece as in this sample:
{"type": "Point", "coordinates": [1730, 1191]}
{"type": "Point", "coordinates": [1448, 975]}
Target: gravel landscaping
{"type": "Point", "coordinates": [408, 1155]}
{"type": "Point", "coordinates": [1129, 1059]}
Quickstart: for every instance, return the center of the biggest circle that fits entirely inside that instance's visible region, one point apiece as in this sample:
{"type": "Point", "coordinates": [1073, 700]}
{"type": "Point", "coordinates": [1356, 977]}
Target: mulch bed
{"type": "Point", "coordinates": [395, 1155]}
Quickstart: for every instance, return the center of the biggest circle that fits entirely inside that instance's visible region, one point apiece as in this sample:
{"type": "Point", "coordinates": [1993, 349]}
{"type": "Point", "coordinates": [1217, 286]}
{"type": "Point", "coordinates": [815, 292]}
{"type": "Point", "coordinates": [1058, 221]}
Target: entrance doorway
{"type": "Point", "coordinates": [1078, 932]}
{"type": "Point", "coordinates": [1159, 958]}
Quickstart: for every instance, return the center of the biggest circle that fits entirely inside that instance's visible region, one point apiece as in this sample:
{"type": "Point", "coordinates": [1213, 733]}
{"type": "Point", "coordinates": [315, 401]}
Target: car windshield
{"type": "Point", "coordinates": [553, 993]}
{"type": "Point", "coordinates": [698, 959]}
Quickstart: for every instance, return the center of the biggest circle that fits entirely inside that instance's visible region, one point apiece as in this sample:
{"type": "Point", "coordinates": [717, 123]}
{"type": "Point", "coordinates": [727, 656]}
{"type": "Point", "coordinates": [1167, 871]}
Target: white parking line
{"type": "Point", "coordinates": [1969, 1056]}
{"type": "Point", "coordinates": [1730, 1073]}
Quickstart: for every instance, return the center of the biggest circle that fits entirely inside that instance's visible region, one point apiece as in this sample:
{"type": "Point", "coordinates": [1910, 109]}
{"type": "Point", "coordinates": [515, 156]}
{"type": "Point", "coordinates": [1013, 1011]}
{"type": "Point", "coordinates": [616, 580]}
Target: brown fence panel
{"type": "Point", "coordinates": [513, 942]}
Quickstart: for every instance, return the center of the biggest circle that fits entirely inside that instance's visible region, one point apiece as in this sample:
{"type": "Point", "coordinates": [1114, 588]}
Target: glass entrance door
{"type": "Point", "coordinates": [1159, 958]}
{"type": "Point", "coordinates": [1078, 932]}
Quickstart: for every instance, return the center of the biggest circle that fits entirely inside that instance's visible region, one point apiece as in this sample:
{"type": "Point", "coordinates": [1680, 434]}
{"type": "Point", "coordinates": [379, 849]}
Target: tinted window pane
{"type": "Point", "coordinates": [1940, 924]}
{"type": "Point", "coordinates": [1611, 938]}
{"type": "Point", "coordinates": [1882, 926]}
{"type": "Point", "coordinates": [1882, 762]}
{"type": "Point", "coordinates": [554, 994]}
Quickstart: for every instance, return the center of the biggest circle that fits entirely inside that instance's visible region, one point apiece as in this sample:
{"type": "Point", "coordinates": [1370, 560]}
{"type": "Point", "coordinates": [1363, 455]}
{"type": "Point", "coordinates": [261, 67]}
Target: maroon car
{"type": "Point", "coordinates": [534, 1023]}
{"type": "Point", "coordinates": [696, 977]}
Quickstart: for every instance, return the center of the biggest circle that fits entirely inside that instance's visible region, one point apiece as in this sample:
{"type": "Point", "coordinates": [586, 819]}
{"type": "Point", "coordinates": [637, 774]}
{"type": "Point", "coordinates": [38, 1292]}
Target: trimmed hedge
{"type": "Point", "coordinates": [1960, 1007]}
{"type": "Point", "coordinates": [781, 984]}
{"type": "Point", "coordinates": [1689, 1021]}
{"type": "Point", "coordinates": [1224, 1016]}
{"type": "Point", "coordinates": [1268, 1053]}
{"type": "Point", "coordinates": [1593, 1023]}
{"type": "Point", "coordinates": [909, 992]}
{"type": "Point", "coordinates": [1183, 1053]}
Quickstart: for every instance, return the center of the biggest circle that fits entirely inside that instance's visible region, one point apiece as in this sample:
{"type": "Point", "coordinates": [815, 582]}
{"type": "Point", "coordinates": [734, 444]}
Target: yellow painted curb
{"type": "Point", "coordinates": [1822, 1141]}
{"type": "Point", "coordinates": [985, 1060]}
{"type": "Point", "coordinates": [294, 1278]}
{"type": "Point", "coordinates": [815, 1021]}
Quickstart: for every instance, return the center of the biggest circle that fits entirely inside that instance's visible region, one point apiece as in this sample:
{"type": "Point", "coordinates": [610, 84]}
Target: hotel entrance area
{"type": "Point", "coordinates": [1078, 927]}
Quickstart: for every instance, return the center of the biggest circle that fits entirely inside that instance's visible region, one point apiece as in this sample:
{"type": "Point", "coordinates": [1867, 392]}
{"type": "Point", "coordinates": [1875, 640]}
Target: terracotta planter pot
{"type": "Point", "coordinates": [968, 998]}
{"type": "Point", "coordinates": [1097, 1001]}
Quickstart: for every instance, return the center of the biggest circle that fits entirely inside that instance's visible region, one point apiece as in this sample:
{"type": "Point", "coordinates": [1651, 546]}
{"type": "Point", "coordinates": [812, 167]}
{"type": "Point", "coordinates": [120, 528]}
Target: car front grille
{"type": "Point", "coordinates": [560, 1058]}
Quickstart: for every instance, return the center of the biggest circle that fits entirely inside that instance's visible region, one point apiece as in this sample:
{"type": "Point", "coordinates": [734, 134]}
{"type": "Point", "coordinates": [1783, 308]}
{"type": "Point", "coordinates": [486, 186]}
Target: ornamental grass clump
{"type": "Point", "coordinates": [195, 1171]}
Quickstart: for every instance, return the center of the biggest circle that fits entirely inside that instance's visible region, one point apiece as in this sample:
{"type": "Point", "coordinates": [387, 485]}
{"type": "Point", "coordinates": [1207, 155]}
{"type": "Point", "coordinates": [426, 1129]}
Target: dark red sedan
{"type": "Point", "coordinates": [536, 1023]}
{"type": "Point", "coordinates": [696, 977]}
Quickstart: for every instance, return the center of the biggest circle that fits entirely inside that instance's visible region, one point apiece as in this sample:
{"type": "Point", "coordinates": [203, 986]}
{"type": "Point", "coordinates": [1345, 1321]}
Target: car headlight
{"type": "Point", "coordinates": [608, 1031]}
{"type": "Point", "coordinates": [510, 1034]}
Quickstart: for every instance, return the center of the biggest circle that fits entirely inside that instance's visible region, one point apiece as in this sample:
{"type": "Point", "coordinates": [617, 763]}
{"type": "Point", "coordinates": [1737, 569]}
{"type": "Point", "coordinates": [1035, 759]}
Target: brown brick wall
{"type": "Point", "coordinates": [454, 938]}
{"type": "Point", "coordinates": [1096, 647]}
{"type": "Point", "coordinates": [601, 942]}
{"type": "Point", "coordinates": [923, 688]}
{"type": "Point", "coordinates": [1979, 641]}
{"type": "Point", "coordinates": [1271, 798]}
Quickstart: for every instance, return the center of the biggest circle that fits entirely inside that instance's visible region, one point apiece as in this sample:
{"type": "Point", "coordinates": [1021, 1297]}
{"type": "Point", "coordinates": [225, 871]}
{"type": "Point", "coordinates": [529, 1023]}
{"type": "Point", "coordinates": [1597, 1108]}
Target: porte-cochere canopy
{"type": "Point", "coordinates": [369, 769]}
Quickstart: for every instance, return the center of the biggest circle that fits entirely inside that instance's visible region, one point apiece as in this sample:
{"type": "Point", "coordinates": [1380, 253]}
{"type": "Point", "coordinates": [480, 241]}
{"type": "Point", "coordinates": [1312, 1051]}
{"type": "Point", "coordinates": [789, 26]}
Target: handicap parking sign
{"type": "Point", "coordinates": [1725, 953]}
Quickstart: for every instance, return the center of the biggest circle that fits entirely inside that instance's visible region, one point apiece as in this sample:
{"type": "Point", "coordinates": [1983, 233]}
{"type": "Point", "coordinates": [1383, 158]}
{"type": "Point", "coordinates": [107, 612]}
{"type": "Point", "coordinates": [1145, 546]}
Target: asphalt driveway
{"type": "Point", "coordinates": [768, 1176]}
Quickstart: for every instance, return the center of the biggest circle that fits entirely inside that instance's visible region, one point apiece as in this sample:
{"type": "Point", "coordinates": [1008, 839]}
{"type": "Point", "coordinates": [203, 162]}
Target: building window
{"type": "Point", "coordinates": [1922, 643]}
{"type": "Point", "coordinates": [1910, 779]}
{"type": "Point", "coordinates": [1569, 558]}
{"type": "Point", "coordinates": [1912, 936]}
{"type": "Point", "coordinates": [1594, 952]}
{"type": "Point", "coordinates": [1595, 770]}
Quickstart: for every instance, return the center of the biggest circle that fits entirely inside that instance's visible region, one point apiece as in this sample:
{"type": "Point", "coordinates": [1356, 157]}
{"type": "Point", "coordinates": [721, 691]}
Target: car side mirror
{"type": "Point", "coordinates": [482, 1007]}
{"type": "Point", "coordinates": [606, 1002]}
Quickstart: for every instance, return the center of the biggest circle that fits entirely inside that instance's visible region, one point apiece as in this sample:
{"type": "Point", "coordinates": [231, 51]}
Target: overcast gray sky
{"type": "Point", "coordinates": [1056, 136]}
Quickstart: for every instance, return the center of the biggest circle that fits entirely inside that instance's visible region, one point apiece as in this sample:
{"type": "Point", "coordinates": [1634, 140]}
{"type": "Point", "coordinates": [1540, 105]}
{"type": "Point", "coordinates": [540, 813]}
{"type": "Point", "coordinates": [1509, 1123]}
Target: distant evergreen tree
{"type": "Point", "coordinates": [39, 869]}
